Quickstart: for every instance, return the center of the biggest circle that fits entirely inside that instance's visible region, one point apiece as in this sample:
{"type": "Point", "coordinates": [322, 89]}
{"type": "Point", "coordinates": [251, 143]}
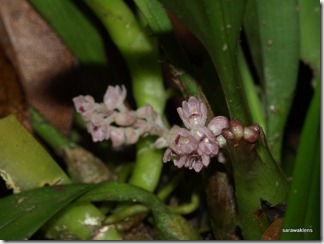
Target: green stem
{"type": "Point", "coordinates": [141, 56]}
{"type": "Point", "coordinates": [168, 225]}
{"type": "Point", "coordinates": [148, 165]}
{"type": "Point", "coordinates": [126, 213]}
{"type": "Point", "coordinates": [187, 208]}
{"type": "Point", "coordinates": [51, 135]}
{"type": "Point", "coordinates": [169, 186]}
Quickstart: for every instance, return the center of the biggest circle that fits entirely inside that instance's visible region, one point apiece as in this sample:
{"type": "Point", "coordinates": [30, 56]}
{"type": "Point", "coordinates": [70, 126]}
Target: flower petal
{"type": "Point", "coordinates": [217, 124]}
{"type": "Point", "coordinates": [181, 141]}
{"type": "Point", "coordinates": [85, 105]}
{"type": "Point", "coordinates": [114, 97]}
{"type": "Point", "coordinates": [193, 113]}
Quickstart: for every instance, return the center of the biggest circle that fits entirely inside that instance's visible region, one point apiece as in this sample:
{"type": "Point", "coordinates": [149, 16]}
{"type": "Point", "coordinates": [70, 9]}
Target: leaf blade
{"type": "Point", "coordinates": [300, 190]}
{"type": "Point", "coordinates": [273, 37]}
{"type": "Point", "coordinates": [217, 24]}
{"type": "Point", "coordinates": [24, 213]}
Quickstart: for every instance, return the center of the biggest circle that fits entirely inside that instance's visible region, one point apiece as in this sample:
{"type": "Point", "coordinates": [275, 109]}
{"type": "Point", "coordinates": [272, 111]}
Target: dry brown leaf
{"type": "Point", "coordinates": [43, 62]}
{"type": "Point", "coordinates": [12, 100]}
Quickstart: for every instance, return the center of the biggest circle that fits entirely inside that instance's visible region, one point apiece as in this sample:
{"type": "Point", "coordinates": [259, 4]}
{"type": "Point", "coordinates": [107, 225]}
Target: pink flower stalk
{"type": "Point", "coordinates": [112, 120]}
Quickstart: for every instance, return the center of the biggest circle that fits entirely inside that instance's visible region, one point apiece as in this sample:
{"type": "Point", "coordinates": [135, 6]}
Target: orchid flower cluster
{"type": "Point", "coordinates": [113, 120]}
{"type": "Point", "coordinates": [194, 146]}
{"type": "Point", "coordinates": [190, 147]}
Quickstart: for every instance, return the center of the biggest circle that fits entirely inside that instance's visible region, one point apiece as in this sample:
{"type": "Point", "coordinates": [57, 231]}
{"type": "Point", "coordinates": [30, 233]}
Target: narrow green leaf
{"type": "Point", "coordinates": [273, 37]}
{"type": "Point", "coordinates": [168, 225]}
{"type": "Point", "coordinates": [310, 34]}
{"type": "Point", "coordinates": [217, 23]}
{"type": "Point", "coordinates": [23, 214]}
{"type": "Point", "coordinates": [313, 216]}
{"type": "Point", "coordinates": [251, 92]}
{"type": "Point", "coordinates": [75, 29]}
{"type": "Point", "coordinates": [301, 198]}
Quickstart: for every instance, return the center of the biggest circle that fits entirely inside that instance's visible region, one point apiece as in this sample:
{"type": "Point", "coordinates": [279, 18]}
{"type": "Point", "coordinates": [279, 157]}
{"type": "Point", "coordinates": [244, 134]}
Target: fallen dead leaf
{"type": "Point", "coordinates": [41, 59]}
{"type": "Point", "coordinates": [12, 100]}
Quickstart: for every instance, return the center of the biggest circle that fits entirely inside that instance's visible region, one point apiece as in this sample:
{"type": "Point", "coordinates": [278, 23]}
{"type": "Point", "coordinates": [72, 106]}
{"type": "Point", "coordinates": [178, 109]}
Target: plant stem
{"type": "Point", "coordinates": [187, 208]}
{"type": "Point", "coordinates": [169, 187]}
{"type": "Point", "coordinates": [51, 135]}
{"type": "Point", "coordinates": [141, 56]}
{"type": "Point", "coordinates": [126, 213]}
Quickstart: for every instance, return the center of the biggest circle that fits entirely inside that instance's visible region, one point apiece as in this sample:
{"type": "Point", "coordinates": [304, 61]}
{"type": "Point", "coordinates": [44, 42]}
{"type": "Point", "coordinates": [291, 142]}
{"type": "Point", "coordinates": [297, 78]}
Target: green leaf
{"type": "Point", "coordinates": [23, 214]}
{"type": "Point", "coordinates": [24, 163]}
{"type": "Point", "coordinates": [303, 206]}
{"type": "Point", "coordinates": [75, 28]}
{"type": "Point", "coordinates": [169, 226]}
{"type": "Point", "coordinates": [310, 34]}
{"type": "Point", "coordinates": [217, 23]}
{"type": "Point", "coordinates": [273, 37]}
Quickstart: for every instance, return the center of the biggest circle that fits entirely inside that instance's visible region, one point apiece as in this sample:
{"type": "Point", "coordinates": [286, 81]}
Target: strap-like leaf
{"type": "Point", "coordinates": [23, 214]}
{"type": "Point", "coordinates": [303, 206]}
{"type": "Point", "coordinates": [169, 226]}
{"type": "Point", "coordinates": [273, 36]}
{"type": "Point", "coordinates": [217, 23]}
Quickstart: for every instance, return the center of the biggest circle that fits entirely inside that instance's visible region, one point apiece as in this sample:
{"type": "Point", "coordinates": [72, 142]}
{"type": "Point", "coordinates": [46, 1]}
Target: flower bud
{"type": "Point", "coordinates": [221, 141]}
{"type": "Point", "coordinates": [251, 134]}
{"type": "Point", "coordinates": [237, 129]}
{"type": "Point", "coordinates": [126, 118]}
{"type": "Point", "coordinates": [144, 112]}
{"type": "Point", "coordinates": [117, 136]}
{"type": "Point", "coordinates": [228, 135]}
{"type": "Point", "coordinates": [131, 135]}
